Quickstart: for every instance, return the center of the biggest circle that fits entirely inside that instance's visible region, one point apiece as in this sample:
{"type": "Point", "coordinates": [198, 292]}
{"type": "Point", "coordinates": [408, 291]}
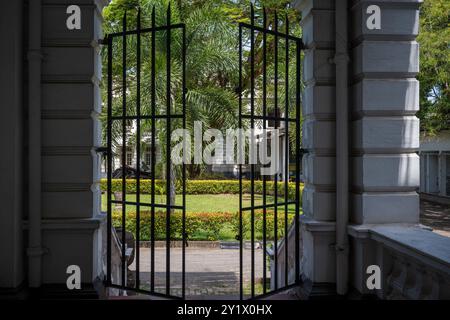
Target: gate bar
{"type": "Point", "coordinates": [286, 156]}
{"type": "Point", "coordinates": [247, 116]}
{"type": "Point", "coordinates": [124, 150]}
{"type": "Point", "coordinates": [138, 148]}
{"type": "Point", "coordinates": [270, 205]}
{"type": "Point", "coordinates": [252, 166]}
{"type": "Point", "coordinates": [269, 31]}
{"type": "Point", "coordinates": [276, 166]}
{"type": "Point", "coordinates": [145, 117]}
{"type": "Point", "coordinates": [145, 30]}
{"type": "Point", "coordinates": [109, 187]}
{"type": "Point", "coordinates": [241, 285]}
{"type": "Point", "coordinates": [264, 129]}
{"type": "Point", "coordinates": [144, 204]}
{"type": "Point", "coordinates": [168, 168]}
{"type": "Point", "coordinates": [297, 162]}
{"type": "Point", "coordinates": [153, 146]}
{"type": "Point", "coordinates": [184, 235]}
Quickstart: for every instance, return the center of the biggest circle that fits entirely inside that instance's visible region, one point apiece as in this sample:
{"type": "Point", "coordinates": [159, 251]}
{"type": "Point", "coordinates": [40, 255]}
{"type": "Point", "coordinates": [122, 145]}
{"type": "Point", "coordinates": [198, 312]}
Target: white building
{"type": "Point", "coordinates": [435, 164]}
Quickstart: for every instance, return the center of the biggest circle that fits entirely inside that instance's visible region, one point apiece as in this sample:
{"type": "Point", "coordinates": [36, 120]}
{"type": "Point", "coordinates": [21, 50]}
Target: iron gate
{"type": "Point", "coordinates": [274, 119]}
{"type": "Point", "coordinates": [169, 117]}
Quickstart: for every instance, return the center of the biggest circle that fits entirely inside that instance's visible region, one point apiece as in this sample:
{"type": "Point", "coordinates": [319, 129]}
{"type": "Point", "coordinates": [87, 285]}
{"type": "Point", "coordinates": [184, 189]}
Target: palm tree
{"type": "Point", "coordinates": [211, 67]}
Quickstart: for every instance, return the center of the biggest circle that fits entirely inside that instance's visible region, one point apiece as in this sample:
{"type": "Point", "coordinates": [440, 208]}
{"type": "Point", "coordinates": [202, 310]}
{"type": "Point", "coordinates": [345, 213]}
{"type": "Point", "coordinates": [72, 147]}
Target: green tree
{"type": "Point", "coordinates": [211, 64]}
{"type": "Point", "coordinates": [212, 57]}
{"type": "Point", "coordinates": [434, 76]}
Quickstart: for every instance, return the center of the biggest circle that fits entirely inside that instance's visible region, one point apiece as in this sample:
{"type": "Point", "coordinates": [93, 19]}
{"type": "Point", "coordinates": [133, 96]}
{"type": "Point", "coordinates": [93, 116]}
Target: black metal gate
{"type": "Point", "coordinates": [275, 205]}
{"type": "Point", "coordinates": [275, 119]}
{"type": "Point", "coordinates": [158, 121]}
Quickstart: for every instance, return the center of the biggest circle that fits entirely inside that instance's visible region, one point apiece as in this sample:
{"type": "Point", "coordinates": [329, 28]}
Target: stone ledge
{"type": "Point", "coordinates": [71, 224]}
{"type": "Point", "coordinates": [414, 262]}
{"type": "Point", "coordinates": [415, 240]}
{"type": "Point", "coordinates": [410, 239]}
{"type": "Point", "coordinates": [317, 226]}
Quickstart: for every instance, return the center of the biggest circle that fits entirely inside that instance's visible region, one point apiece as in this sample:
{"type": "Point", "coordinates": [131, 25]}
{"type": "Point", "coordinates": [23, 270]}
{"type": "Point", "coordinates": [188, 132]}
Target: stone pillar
{"type": "Point", "coordinates": [319, 196]}
{"type": "Point", "coordinates": [385, 130]}
{"type": "Point", "coordinates": [422, 171]}
{"type": "Point", "coordinates": [11, 136]}
{"type": "Point", "coordinates": [71, 104]}
{"type": "Point", "coordinates": [384, 97]}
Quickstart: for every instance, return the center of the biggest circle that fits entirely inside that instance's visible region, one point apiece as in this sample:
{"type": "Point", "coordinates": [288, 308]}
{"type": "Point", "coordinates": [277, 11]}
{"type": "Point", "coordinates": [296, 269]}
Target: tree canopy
{"type": "Point", "coordinates": [434, 76]}
{"type": "Point", "coordinates": [212, 60]}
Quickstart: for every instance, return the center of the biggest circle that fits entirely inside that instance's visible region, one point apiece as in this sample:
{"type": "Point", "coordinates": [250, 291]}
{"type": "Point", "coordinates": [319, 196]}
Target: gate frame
{"type": "Point", "coordinates": [299, 151]}
{"type": "Point", "coordinates": [277, 118]}
{"type": "Point", "coordinates": [153, 117]}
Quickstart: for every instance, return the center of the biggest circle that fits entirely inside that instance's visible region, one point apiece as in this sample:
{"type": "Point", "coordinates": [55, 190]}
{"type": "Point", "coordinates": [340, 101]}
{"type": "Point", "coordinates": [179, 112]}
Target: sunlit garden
{"type": "Point", "coordinates": [212, 209]}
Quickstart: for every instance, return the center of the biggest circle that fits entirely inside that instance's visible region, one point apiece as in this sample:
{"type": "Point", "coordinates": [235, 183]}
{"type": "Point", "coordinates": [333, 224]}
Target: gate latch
{"type": "Point", "coordinates": [185, 238]}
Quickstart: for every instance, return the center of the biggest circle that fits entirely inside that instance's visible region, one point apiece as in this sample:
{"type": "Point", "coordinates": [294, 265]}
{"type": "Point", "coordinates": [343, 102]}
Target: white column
{"type": "Point", "coordinates": [385, 130]}
{"type": "Point", "coordinates": [318, 263]}
{"type": "Point", "coordinates": [71, 104]}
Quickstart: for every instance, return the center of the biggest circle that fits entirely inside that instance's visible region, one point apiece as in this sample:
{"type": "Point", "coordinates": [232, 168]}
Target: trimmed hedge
{"type": "Point", "coordinates": [201, 186]}
{"type": "Point", "coordinates": [201, 225]}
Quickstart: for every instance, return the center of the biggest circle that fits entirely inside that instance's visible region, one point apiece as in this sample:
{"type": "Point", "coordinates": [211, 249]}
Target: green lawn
{"type": "Point", "coordinates": [204, 202]}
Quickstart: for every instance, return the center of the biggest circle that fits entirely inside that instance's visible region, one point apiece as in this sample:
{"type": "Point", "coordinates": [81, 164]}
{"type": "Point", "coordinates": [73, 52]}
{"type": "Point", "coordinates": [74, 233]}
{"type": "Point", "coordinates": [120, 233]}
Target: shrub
{"type": "Point", "coordinates": [201, 187]}
{"type": "Point", "coordinates": [201, 226]}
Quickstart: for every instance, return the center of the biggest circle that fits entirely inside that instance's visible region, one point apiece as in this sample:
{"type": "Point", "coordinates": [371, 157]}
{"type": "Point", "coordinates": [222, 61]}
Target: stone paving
{"type": "Point", "coordinates": [209, 271]}
{"type": "Point", "coordinates": [436, 216]}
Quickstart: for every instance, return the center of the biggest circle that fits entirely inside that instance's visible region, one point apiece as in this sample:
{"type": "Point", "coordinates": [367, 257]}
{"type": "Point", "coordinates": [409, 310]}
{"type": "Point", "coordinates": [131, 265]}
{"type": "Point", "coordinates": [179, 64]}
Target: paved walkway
{"type": "Point", "coordinates": [436, 216]}
{"type": "Point", "coordinates": [209, 271]}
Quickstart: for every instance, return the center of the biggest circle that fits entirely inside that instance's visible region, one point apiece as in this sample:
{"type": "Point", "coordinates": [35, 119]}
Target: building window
{"type": "Point", "coordinates": [148, 158]}
{"type": "Point", "coordinates": [129, 157]}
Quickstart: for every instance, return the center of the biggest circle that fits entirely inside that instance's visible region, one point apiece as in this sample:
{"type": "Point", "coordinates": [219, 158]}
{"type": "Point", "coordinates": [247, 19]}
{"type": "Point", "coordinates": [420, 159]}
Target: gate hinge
{"type": "Point", "coordinates": [340, 249]}
{"type": "Point", "coordinates": [103, 150]}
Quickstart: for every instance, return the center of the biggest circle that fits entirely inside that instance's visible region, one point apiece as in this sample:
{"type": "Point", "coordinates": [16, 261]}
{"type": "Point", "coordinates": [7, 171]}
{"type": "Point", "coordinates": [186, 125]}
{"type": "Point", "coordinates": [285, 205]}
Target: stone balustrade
{"type": "Point", "coordinates": [414, 262]}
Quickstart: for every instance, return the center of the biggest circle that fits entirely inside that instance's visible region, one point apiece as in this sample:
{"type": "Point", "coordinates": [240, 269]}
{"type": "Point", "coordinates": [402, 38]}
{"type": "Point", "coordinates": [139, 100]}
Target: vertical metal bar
{"type": "Point", "coordinates": [138, 148]}
{"type": "Point", "coordinates": [183, 269]}
{"type": "Point", "coordinates": [297, 162]}
{"type": "Point", "coordinates": [153, 152]}
{"type": "Point", "coordinates": [286, 156]}
{"type": "Point", "coordinates": [252, 166]}
{"type": "Point", "coordinates": [124, 140]}
{"type": "Point", "coordinates": [241, 285]}
{"type": "Point", "coordinates": [168, 169]}
{"type": "Point", "coordinates": [275, 217]}
{"type": "Point", "coordinates": [109, 133]}
{"type": "Point", "coordinates": [264, 107]}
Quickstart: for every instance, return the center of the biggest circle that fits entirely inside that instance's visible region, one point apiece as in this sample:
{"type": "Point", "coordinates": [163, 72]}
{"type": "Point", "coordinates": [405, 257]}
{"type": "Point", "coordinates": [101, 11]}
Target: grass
{"type": "Point", "coordinates": [204, 202]}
